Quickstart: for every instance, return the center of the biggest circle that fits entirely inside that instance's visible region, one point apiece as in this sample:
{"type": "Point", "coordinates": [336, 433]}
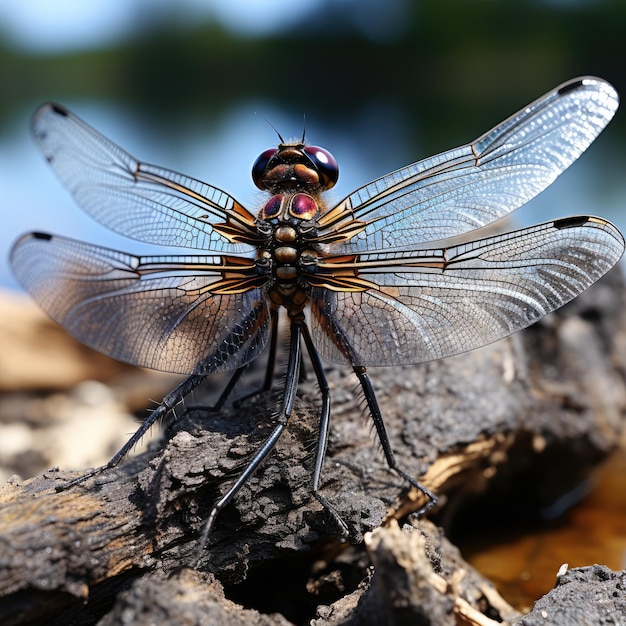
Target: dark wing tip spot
{"type": "Point", "coordinates": [571, 222]}
{"type": "Point", "coordinates": [58, 109]}
{"type": "Point", "coordinates": [571, 86]}
{"type": "Point", "coordinates": [44, 236]}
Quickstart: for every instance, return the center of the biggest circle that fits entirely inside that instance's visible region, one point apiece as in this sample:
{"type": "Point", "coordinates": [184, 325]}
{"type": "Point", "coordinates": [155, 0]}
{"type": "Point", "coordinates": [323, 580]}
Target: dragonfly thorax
{"type": "Point", "coordinates": [286, 240]}
{"type": "Point", "coordinates": [288, 224]}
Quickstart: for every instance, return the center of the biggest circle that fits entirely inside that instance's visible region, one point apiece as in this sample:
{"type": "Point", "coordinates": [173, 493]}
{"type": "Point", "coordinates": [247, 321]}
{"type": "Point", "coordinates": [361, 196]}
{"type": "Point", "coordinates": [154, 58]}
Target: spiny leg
{"type": "Point", "coordinates": [234, 339]}
{"type": "Point", "coordinates": [322, 441]}
{"type": "Point", "coordinates": [169, 402]}
{"type": "Point", "coordinates": [289, 395]}
{"type": "Point", "coordinates": [374, 409]}
{"type": "Point", "coordinates": [271, 360]}
{"type": "Point", "coordinates": [232, 382]}
{"type": "Point", "coordinates": [332, 326]}
{"type": "Point", "coordinates": [234, 379]}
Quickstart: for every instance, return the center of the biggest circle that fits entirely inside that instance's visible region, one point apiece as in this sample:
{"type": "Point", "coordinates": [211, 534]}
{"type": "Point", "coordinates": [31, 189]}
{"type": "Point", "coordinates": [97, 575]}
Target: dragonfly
{"type": "Point", "coordinates": [382, 278]}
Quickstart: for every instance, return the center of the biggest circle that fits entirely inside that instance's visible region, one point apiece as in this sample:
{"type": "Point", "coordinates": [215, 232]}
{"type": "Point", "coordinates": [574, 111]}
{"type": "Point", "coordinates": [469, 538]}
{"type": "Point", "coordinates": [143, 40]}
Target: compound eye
{"type": "Point", "coordinates": [260, 165]}
{"type": "Point", "coordinates": [325, 165]}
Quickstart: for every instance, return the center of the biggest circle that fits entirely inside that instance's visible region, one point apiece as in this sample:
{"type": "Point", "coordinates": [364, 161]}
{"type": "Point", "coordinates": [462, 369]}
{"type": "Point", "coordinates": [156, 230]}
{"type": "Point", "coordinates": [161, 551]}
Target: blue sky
{"type": "Point", "coordinates": [47, 26]}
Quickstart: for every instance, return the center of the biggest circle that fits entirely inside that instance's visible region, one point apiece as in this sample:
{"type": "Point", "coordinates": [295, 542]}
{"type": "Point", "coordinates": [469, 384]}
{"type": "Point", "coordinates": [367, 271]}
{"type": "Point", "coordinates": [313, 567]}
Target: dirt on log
{"type": "Point", "coordinates": [524, 420]}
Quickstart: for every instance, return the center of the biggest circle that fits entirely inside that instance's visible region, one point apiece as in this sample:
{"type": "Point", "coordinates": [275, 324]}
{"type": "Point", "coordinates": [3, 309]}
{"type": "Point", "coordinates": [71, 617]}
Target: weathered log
{"type": "Point", "coordinates": [548, 402]}
{"type": "Point", "coordinates": [583, 595]}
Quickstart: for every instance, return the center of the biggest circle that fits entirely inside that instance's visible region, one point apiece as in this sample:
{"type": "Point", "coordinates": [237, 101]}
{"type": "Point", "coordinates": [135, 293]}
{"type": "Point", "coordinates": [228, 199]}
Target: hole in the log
{"type": "Point", "coordinates": [295, 586]}
{"type": "Point", "coordinates": [531, 487]}
{"type": "Point", "coordinates": [500, 532]}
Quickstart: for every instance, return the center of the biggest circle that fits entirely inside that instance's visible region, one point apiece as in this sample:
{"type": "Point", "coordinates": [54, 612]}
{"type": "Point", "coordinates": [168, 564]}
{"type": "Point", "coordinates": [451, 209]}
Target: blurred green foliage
{"type": "Point", "coordinates": [478, 57]}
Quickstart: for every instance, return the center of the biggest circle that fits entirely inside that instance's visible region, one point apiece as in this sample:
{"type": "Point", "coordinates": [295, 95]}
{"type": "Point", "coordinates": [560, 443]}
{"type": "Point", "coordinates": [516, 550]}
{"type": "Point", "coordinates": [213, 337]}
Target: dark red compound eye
{"type": "Point", "coordinates": [325, 165]}
{"type": "Point", "coordinates": [272, 207]}
{"type": "Point", "coordinates": [260, 165]}
{"type": "Point", "coordinates": [303, 207]}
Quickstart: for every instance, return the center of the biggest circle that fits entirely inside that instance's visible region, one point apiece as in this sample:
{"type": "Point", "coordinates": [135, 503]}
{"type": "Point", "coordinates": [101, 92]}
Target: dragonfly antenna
{"type": "Point", "coordinates": [271, 126]}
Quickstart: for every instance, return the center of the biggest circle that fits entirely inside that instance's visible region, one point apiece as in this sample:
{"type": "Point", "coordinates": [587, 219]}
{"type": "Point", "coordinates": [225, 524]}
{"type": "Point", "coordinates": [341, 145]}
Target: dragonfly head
{"type": "Point", "coordinates": [295, 166]}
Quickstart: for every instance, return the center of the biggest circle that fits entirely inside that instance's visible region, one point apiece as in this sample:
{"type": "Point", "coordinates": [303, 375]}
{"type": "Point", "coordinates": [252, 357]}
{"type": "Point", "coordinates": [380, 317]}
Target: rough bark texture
{"type": "Point", "coordinates": [523, 420]}
{"type": "Point", "coordinates": [586, 596]}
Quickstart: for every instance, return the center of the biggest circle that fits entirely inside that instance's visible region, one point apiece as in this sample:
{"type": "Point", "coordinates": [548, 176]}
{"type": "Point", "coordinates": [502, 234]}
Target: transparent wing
{"type": "Point", "coordinates": [139, 200]}
{"type": "Point", "coordinates": [474, 185]}
{"type": "Point", "coordinates": [171, 313]}
{"type": "Point", "coordinates": [436, 303]}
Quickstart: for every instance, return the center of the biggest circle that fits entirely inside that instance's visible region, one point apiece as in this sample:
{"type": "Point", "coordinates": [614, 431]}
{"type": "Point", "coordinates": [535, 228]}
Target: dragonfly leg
{"type": "Point", "coordinates": [232, 382]}
{"type": "Point", "coordinates": [271, 362]}
{"type": "Point", "coordinates": [234, 379]}
{"type": "Point", "coordinates": [291, 386]}
{"type": "Point", "coordinates": [271, 359]}
{"type": "Point", "coordinates": [169, 402]}
{"type": "Point", "coordinates": [374, 409]}
{"type": "Point", "coordinates": [322, 441]}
